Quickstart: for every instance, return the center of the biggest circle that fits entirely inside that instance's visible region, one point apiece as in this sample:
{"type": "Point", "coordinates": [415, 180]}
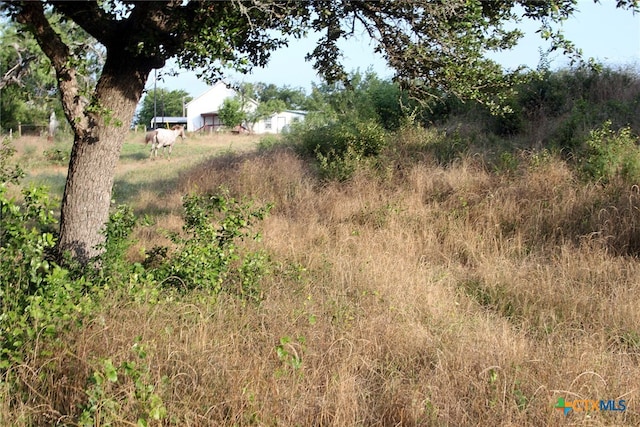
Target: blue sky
{"type": "Point", "coordinates": [603, 32]}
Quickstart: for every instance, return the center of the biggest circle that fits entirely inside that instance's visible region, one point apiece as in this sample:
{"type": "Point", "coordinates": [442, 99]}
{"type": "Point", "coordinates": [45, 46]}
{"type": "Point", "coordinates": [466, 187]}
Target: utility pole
{"type": "Point", "coordinates": [155, 107]}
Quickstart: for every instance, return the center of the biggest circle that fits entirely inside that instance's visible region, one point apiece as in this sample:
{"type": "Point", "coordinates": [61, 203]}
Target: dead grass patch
{"type": "Point", "coordinates": [438, 295]}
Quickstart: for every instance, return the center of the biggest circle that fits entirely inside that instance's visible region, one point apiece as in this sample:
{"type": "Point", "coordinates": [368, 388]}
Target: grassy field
{"type": "Point", "coordinates": [414, 293]}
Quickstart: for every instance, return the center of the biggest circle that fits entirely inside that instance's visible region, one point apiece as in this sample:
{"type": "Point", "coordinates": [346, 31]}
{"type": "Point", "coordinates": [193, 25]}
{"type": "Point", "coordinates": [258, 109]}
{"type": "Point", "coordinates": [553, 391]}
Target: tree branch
{"type": "Point", "coordinates": [31, 14]}
{"type": "Point", "coordinates": [89, 16]}
{"type": "Point", "coordinates": [14, 74]}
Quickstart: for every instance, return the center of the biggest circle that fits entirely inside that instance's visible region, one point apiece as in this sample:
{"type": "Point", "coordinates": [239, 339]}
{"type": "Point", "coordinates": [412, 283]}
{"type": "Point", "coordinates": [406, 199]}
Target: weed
{"type": "Point", "coordinates": [114, 388]}
{"type": "Point", "coordinates": [38, 297]}
{"type": "Point", "coordinates": [507, 163]}
{"type": "Point", "coordinates": [268, 142]}
{"type": "Point", "coordinates": [611, 153]}
{"type": "Point", "coordinates": [340, 147]}
{"type": "Point", "coordinates": [58, 156]}
{"type": "Point", "coordinates": [9, 172]}
{"type": "Point", "coordinates": [208, 252]}
{"type": "Point", "coordinates": [289, 352]}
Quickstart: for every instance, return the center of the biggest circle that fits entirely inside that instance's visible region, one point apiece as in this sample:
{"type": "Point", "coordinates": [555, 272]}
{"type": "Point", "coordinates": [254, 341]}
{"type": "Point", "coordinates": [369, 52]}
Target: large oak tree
{"type": "Point", "coordinates": [435, 47]}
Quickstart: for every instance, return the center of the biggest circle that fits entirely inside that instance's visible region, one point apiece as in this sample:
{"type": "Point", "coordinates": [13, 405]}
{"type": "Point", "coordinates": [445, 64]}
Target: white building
{"type": "Point", "coordinates": [202, 112]}
{"type": "Point", "coordinates": [279, 122]}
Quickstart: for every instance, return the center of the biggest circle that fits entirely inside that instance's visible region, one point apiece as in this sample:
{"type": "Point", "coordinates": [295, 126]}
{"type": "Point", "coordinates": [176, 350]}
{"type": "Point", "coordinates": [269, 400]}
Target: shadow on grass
{"type": "Point", "coordinates": [153, 187]}
{"type": "Point", "coordinates": [134, 156]}
{"type": "Point", "coordinates": [127, 190]}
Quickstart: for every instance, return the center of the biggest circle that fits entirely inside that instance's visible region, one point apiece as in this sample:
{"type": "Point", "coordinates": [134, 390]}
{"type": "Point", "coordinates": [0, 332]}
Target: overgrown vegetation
{"type": "Point", "coordinates": [444, 275]}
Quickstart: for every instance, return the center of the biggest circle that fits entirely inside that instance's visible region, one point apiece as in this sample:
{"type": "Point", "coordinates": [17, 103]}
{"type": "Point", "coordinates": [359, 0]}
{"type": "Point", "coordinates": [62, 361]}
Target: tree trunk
{"type": "Point", "coordinates": [94, 156]}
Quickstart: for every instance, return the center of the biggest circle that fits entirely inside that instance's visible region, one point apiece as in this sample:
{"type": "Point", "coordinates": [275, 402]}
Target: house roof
{"type": "Point", "coordinates": [165, 119]}
{"type": "Point", "coordinates": [218, 84]}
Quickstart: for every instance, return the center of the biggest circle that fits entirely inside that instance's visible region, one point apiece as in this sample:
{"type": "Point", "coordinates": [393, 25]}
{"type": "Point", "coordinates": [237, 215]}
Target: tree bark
{"type": "Point", "coordinates": [100, 125]}
{"type": "Point", "coordinates": [94, 156]}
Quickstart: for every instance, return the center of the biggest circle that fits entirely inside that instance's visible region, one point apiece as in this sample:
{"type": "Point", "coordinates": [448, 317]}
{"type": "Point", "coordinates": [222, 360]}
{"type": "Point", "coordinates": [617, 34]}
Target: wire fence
{"type": "Point", "coordinates": [29, 129]}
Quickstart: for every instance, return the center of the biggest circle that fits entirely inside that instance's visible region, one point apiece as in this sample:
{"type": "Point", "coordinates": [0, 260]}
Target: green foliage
{"type": "Point", "coordinates": [58, 155]}
{"type": "Point", "coordinates": [268, 142]}
{"type": "Point", "coordinates": [168, 103]}
{"type": "Point", "coordinates": [338, 167]}
{"type": "Point", "coordinates": [507, 162]}
{"type": "Point", "coordinates": [24, 264]}
{"type": "Point", "coordinates": [9, 172]}
{"type": "Point", "coordinates": [208, 254]}
{"type": "Point", "coordinates": [231, 113]}
{"type": "Point", "coordinates": [37, 297]}
{"type": "Point", "coordinates": [31, 93]}
{"type": "Point", "coordinates": [292, 98]}
{"type": "Point", "coordinates": [610, 154]}
{"type": "Point", "coordinates": [366, 97]}
{"type": "Point", "coordinates": [289, 352]}
{"type": "Point", "coordinates": [264, 110]}
{"type": "Point", "coordinates": [582, 99]}
{"type": "Point", "coordinates": [128, 385]}
{"type": "Point", "coordinates": [114, 266]}
{"type": "Point", "coordinates": [340, 147]}
{"type": "Point", "coordinates": [448, 147]}
{"type": "Point", "coordinates": [389, 102]}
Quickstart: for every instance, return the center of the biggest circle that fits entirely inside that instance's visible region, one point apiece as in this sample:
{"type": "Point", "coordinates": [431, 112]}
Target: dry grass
{"type": "Point", "coordinates": [412, 295]}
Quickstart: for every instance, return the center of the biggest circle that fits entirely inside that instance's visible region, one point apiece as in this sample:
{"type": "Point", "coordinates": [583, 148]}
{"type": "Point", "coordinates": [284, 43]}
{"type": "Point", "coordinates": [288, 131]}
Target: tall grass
{"type": "Point", "coordinates": [413, 294]}
{"type": "Point", "coordinates": [438, 285]}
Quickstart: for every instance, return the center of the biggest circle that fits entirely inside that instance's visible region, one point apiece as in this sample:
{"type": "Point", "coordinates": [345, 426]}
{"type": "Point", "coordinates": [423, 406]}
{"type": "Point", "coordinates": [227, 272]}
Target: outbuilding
{"type": "Point", "coordinates": [167, 122]}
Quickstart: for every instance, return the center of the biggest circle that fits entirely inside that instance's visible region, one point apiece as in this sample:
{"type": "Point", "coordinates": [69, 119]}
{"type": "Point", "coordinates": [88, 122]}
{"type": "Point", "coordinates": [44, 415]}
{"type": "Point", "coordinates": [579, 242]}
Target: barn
{"type": "Point", "coordinates": [202, 112]}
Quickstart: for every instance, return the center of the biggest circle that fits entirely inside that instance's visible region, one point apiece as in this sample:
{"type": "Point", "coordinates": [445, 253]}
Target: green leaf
{"type": "Point", "coordinates": [110, 371]}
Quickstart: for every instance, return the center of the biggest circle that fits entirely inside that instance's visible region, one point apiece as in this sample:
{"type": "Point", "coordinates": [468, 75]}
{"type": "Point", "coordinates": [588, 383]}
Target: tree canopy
{"type": "Point", "coordinates": [232, 113]}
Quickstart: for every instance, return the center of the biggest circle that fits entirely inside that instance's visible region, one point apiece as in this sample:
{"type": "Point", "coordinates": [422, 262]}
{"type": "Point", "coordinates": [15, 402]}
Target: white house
{"type": "Point", "coordinates": [202, 112]}
{"type": "Point", "coordinates": [279, 121]}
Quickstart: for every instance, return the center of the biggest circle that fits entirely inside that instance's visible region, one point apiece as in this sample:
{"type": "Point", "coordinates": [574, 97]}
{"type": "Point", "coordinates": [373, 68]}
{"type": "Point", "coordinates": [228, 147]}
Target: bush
{"type": "Point", "coordinates": [58, 156]}
{"type": "Point", "coordinates": [338, 167]}
{"type": "Point", "coordinates": [38, 297]}
{"type": "Point", "coordinates": [208, 254]}
{"type": "Point", "coordinates": [341, 146]}
{"type": "Point", "coordinates": [9, 172]}
{"type": "Point", "coordinates": [113, 263]}
{"type": "Point", "coordinates": [269, 142]}
{"type": "Point", "coordinates": [609, 154]}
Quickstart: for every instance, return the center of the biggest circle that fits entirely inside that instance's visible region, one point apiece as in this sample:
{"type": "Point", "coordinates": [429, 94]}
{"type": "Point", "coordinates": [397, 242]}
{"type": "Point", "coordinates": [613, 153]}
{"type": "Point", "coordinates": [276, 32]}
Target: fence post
{"type": "Point", "coordinates": [19, 130]}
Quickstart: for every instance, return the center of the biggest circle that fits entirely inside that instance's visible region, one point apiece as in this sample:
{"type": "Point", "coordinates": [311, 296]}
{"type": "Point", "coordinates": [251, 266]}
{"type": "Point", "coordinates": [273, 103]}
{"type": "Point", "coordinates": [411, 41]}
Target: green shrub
{"type": "Point", "coordinates": [338, 167]}
{"type": "Point", "coordinates": [113, 263]}
{"type": "Point", "coordinates": [609, 154]}
{"type": "Point", "coordinates": [268, 142]}
{"type": "Point", "coordinates": [57, 155]}
{"type": "Point", "coordinates": [340, 147]}
{"type": "Point", "coordinates": [9, 171]}
{"type": "Point", "coordinates": [448, 147]}
{"type": "Point", "coordinates": [128, 387]}
{"type": "Point", "coordinates": [573, 131]}
{"type": "Point", "coordinates": [37, 296]}
{"type": "Point", "coordinates": [208, 255]}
